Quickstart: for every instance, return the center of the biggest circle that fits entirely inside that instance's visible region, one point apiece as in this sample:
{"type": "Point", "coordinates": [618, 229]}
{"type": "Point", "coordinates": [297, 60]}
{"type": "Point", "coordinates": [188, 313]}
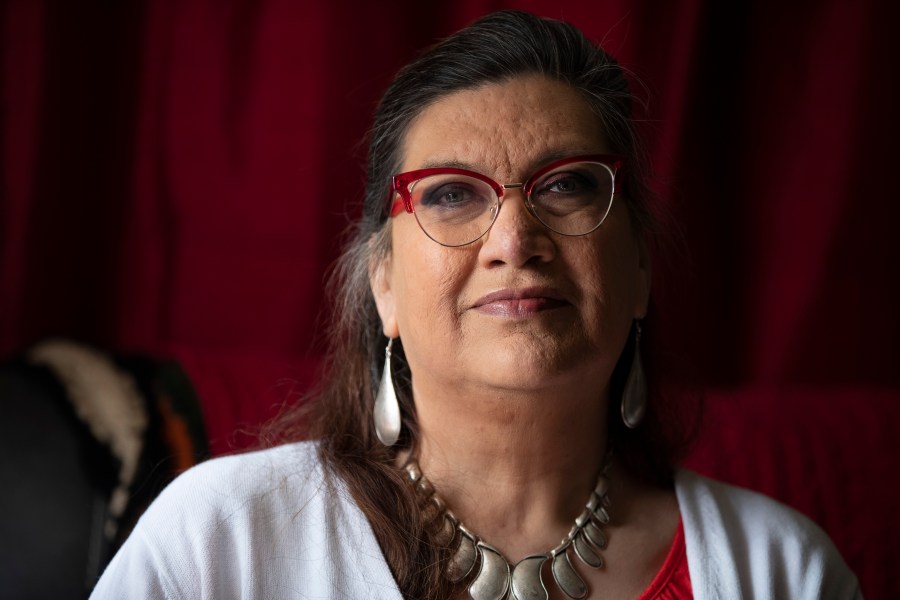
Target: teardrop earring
{"type": "Point", "coordinates": [634, 396]}
{"type": "Point", "coordinates": [387, 408]}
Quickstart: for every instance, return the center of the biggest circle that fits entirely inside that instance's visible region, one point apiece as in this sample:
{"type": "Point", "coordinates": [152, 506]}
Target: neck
{"type": "Point", "coordinates": [515, 467]}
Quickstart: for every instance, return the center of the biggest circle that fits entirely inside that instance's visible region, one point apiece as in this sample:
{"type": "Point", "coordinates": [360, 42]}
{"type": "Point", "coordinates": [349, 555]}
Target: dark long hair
{"type": "Point", "coordinates": [496, 48]}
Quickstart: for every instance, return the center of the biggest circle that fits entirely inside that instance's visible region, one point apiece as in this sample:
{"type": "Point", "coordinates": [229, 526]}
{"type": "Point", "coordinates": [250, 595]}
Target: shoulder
{"type": "Point", "coordinates": [237, 491]}
{"type": "Point", "coordinates": [228, 482]}
{"type": "Point", "coordinates": [744, 544]}
{"type": "Point", "coordinates": [245, 497]}
{"type": "Point", "coordinates": [718, 503]}
{"type": "Point", "coordinates": [258, 524]}
{"type": "Point", "coordinates": [201, 536]}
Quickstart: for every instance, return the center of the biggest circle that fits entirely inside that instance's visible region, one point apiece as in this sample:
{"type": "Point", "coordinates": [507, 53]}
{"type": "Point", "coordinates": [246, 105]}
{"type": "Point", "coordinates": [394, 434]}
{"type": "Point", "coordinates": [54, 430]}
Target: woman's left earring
{"type": "Point", "coordinates": [634, 396]}
{"type": "Point", "coordinates": [387, 408]}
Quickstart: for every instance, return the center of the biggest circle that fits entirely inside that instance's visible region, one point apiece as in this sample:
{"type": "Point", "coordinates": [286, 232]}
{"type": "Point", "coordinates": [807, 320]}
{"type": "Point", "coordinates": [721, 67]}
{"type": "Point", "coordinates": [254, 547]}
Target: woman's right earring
{"type": "Point", "coordinates": [387, 408]}
{"type": "Point", "coordinates": [634, 396]}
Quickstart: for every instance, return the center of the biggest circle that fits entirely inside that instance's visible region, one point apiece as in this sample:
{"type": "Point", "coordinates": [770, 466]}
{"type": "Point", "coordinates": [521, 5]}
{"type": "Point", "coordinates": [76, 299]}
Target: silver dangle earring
{"type": "Point", "coordinates": [387, 408]}
{"type": "Point", "coordinates": [634, 396]}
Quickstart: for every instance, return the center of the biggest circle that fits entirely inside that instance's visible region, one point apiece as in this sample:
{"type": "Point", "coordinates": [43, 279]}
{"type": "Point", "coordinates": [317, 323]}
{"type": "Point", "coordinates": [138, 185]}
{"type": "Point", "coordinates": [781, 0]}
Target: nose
{"type": "Point", "coordinates": [516, 238]}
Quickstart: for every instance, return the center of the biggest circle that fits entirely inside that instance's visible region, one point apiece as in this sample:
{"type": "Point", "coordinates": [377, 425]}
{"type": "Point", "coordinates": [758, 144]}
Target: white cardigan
{"type": "Point", "coordinates": [270, 525]}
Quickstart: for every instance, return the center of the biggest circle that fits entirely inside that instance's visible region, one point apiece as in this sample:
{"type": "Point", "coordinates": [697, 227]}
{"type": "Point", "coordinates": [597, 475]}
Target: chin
{"type": "Point", "coordinates": [515, 368]}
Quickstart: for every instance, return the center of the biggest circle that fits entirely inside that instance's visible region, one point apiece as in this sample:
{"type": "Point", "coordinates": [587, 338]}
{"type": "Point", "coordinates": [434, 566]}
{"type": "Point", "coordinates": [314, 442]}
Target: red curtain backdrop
{"type": "Point", "coordinates": [176, 175]}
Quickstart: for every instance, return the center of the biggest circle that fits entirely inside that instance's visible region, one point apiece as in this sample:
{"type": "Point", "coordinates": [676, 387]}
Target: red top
{"type": "Point", "coordinates": [672, 582]}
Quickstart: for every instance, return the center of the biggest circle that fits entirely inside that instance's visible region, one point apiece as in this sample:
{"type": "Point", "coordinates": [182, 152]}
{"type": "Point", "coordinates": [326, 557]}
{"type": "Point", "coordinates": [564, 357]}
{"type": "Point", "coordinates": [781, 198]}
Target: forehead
{"type": "Point", "coordinates": [505, 130]}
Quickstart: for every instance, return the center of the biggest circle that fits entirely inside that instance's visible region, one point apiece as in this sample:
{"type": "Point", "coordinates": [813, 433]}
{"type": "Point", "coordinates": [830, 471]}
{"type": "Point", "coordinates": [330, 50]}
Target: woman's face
{"type": "Point", "coordinates": [522, 308]}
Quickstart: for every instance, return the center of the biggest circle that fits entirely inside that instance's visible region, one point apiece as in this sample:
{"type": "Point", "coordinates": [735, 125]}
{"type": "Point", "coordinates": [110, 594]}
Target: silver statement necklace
{"type": "Point", "coordinates": [496, 578]}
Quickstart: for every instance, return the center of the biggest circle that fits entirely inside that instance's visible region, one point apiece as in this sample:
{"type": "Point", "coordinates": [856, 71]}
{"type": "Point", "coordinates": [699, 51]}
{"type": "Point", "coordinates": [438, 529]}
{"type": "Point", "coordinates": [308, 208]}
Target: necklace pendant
{"type": "Point", "coordinates": [492, 581]}
{"type": "Point", "coordinates": [463, 559]}
{"type": "Point", "coordinates": [595, 535]}
{"type": "Point", "coordinates": [587, 554]}
{"type": "Point", "coordinates": [527, 583]}
{"type": "Point", "coordinates": [567, 578]}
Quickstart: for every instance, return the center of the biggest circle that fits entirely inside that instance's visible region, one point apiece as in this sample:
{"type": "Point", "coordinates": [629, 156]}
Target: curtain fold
{"type": "Point", "coordinates": [177, 175]}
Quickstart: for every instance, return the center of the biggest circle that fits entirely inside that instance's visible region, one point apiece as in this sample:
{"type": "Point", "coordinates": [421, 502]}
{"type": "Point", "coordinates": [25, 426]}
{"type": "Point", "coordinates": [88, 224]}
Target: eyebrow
{"type": "Point", "coordinates": [552, 155]}
{"type": "Point", "coordinates": [449, 164]}
{"type": "Point", "coordinates": [543, 159]}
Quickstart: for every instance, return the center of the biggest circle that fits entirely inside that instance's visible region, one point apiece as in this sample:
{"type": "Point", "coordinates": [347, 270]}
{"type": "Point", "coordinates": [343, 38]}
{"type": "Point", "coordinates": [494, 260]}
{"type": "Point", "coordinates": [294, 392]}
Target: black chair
{"type": "Point", "coordinates": [87, 440]}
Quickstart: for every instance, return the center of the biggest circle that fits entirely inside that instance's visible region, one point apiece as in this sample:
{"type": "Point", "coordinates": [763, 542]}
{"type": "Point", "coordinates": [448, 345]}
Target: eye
{"type": "Point", "coordinates": [567, 183]}
{"type": "Point", "coordinates": [581, 188]}
{"type": "Point", "coordinates": [452, 195]}
{"type": "Point", "coordinates": [448, 195]}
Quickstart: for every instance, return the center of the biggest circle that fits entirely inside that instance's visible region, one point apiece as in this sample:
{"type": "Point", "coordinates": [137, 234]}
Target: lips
{"type": "Point", "coordinates": [520, 302]}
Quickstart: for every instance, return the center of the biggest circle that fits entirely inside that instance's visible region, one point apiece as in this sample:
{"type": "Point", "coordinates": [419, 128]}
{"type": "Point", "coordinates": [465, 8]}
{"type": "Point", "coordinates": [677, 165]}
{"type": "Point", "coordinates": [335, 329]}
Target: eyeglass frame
{"type": "Point", "coordinates": [401, 182]}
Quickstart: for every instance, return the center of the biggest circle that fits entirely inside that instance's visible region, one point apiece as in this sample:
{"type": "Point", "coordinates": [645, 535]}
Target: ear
{"type": "Point", "coordinates": [643, 280]}
{"type": "Point", "coordinates": [380, 281]}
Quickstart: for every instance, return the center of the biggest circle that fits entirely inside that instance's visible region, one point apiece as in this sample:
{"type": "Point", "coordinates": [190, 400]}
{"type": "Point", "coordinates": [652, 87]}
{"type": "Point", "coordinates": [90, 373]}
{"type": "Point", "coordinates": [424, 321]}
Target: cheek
{"type": "Point", "coordinates": [427, 283]}
{"type": "Point", "coordinates": [608, 272]}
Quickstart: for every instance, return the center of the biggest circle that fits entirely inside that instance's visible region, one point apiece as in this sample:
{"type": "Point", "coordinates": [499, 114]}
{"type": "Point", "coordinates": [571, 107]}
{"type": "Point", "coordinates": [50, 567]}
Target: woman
{"type": "Point", "coordinates": [486, 395]}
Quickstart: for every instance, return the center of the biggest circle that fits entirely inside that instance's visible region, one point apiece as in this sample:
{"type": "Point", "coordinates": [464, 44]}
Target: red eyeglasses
{"type": "Point", "coordinates": [455, 207]}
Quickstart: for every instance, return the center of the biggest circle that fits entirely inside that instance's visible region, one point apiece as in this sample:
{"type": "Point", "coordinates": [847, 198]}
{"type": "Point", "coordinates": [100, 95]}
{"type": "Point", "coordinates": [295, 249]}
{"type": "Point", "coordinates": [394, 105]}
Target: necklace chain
{"type": "Point", "coordinates": [496, 578]}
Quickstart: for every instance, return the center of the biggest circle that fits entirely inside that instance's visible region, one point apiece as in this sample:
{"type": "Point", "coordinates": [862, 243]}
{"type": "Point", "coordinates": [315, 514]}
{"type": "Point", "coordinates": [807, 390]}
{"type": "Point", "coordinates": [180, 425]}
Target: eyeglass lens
{"type": "Point", "coordinates": [455, 210]}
